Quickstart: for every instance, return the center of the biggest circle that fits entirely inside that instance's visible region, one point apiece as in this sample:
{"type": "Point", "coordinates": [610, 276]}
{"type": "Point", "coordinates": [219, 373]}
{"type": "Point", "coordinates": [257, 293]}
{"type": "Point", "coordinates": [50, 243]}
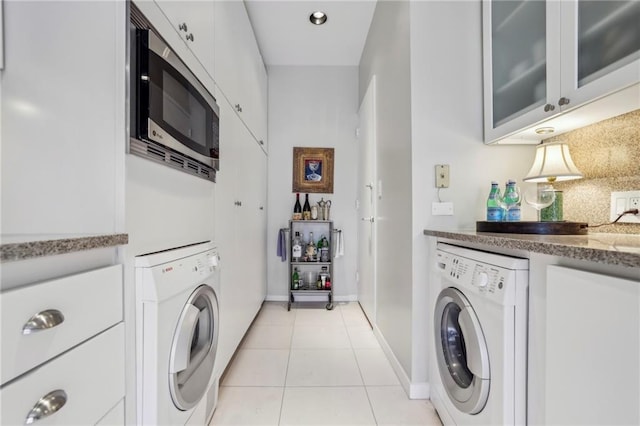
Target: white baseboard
{"type": "Point", "coordinates": [413, 390]}
{"type": "Point", "coordinates": [279, 298]}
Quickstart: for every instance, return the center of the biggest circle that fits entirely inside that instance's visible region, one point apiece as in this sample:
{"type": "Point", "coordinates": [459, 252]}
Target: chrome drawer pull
{"type": "Point", "coordinates": [43, 321]}
{"type": "Point", "coordinates": [47, 405]}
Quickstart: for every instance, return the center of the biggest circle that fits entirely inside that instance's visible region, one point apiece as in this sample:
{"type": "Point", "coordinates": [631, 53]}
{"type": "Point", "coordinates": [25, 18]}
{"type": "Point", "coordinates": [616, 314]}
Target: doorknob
{"type": "Point", "coordinates": [368, 219]}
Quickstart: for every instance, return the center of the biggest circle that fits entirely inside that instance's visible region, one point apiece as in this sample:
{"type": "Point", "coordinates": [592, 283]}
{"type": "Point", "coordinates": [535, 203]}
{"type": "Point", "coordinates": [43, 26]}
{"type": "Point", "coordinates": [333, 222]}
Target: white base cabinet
{"type": "Point", "coordinates": [592, 348]}
{"type": "Point", "coordinates": [63, 347]}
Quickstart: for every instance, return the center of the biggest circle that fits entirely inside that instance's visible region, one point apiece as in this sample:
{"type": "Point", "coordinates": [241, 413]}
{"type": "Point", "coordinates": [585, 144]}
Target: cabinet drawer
{"type": "Point", "coordinates": [91, 376]}
{"type": "Point", "coordinates": [89, 303]}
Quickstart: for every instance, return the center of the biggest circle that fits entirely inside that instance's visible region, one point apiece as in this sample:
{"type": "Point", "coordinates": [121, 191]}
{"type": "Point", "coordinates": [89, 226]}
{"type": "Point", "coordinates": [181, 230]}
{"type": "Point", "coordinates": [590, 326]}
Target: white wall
{"type": "Point", "coordinates": [435, 49]}
{"type": "Point", "coordinates": [446, 107]}
{"type": "Point", "coordinates": [312, 107]}
{"type": "Point", "coordinates": [386, 55]}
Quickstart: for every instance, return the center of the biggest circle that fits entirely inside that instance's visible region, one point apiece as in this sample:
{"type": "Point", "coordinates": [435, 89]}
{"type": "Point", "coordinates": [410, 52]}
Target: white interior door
{"type": "Point", "coordinates": [367, 203]}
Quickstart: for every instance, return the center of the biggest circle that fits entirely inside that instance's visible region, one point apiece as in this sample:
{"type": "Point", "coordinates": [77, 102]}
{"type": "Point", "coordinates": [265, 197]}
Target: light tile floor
{"type": "Point", "coordinates": [314, 367]}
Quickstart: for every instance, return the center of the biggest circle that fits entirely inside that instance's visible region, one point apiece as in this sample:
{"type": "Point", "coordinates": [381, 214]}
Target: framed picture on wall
{"type": "Point", "coordinates": [313, 170]}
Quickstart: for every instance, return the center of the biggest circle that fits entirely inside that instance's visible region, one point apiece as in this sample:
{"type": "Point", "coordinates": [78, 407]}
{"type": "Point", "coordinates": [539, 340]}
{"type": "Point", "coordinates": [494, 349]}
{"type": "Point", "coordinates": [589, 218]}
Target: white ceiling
{"type": "Point", "coordinates": [286, 37]}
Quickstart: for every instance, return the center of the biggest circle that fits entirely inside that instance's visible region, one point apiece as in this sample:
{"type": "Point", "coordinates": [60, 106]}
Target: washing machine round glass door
{"type": "Point", "coordinates": [193, 349]}
{"type": "Point", "coordinates": [461, 351]}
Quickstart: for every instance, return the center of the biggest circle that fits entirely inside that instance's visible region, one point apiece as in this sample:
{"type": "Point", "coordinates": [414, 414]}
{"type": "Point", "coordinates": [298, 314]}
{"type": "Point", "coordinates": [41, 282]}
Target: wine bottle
{"type": "Point", "coordinates": [297, 209]}
{"type": "Point", "coordinates": [306, 210]}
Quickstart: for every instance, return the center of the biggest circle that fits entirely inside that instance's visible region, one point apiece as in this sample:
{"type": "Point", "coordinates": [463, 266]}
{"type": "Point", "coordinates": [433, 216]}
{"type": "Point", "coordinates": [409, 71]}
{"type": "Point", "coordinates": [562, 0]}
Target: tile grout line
{"type": "Point", "coordinates": [286, 371]}
{"type": "Point", "coordinates": [366, 392]}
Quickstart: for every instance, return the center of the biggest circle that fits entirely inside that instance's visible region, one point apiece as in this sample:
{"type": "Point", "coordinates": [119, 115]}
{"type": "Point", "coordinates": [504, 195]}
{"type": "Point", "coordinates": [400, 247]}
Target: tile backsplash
{"type": "Point", "coordinates": [608, 155]}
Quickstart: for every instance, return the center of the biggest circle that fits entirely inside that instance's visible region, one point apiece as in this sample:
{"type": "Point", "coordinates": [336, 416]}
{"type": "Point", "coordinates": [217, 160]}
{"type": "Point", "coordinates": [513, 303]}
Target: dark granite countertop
{"type": "Point", "coordinates": [611, 249]}
{"type": "Point", "coordinates": [22, 247]}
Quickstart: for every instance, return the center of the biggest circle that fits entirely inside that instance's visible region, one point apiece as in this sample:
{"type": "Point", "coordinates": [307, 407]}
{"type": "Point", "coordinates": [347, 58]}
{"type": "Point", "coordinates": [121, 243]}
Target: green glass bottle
{"type": "Point", "coordinates": [295, 279]}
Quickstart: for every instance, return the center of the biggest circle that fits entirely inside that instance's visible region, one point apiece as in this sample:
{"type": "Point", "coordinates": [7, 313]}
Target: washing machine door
{"type": "Point", "coordinates": [461, 351]}
{"type": "Point", "coordinates": [193, 349]}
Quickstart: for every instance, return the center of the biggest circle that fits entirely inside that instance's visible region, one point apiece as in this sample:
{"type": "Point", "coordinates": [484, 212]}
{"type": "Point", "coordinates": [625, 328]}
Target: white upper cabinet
{"type": "Point", "coordinates": [603, 53]}
{"type": "Point", "coordinates": [63, 109]}
{"type": "Point", "coordinates": [239, 68]}
{"type": "Point", "coordinates": [194, 22]}
{"type": "Point", "coordinates": [544, 59]}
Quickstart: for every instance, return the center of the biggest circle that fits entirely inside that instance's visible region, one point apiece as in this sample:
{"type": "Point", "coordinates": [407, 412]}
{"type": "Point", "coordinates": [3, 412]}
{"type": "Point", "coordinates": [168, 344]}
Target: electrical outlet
{"type": "Point", "coordinates": [622, 201]}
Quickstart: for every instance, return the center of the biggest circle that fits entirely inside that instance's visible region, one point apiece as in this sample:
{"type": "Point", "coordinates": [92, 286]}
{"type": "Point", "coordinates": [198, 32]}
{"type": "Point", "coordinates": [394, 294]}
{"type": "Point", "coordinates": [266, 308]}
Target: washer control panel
{"type": "Point", "coordinates": [483, 278]}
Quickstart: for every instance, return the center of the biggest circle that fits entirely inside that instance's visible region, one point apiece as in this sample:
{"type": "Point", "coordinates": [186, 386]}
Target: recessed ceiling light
{"type": "Point", "coordinates": [318, 18]}
{"type": "Point", "coordinates": [545, 130]}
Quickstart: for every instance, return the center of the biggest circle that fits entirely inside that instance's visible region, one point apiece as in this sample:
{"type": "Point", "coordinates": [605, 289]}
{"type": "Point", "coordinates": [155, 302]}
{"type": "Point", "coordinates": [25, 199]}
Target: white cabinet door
{"type": "Point", "coordinates": [240, 229]}
{"type": "Point", "coordinates": [63, 109]}
{"type": "Point", "coordinates": [592, 348]}
{"type": "Point", "coordinates": [240, 71]}
{"type": "Point", "coordinates": [545, 59]}
{"type": "Point", "coordinates": [194, 22]}
{"type": "Point", "coordinates": [521, 64]}
{"type": "Point", "coordinates": [601, 48]}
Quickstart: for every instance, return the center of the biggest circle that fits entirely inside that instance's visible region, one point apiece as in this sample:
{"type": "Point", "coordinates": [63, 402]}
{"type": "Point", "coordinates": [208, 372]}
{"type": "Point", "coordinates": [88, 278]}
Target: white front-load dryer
{"type": "Point", "coordinates": [480, 338]}
{"type": "Point", "coordinates": [177, 326]}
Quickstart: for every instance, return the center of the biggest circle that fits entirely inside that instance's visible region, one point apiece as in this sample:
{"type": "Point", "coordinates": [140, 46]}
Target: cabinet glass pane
{"type": "Point", "coordinates": [519, 66]}
{"type": "Point", "coordinates": [608, 37]}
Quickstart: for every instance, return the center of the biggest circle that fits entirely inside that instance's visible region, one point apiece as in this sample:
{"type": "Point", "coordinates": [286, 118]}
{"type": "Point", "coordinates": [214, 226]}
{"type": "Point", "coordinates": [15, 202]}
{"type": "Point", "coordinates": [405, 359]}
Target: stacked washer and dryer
{"type": "Point", "coordinates": [177, 327]}
{"type": "Point", "coordinates": [479, 368]}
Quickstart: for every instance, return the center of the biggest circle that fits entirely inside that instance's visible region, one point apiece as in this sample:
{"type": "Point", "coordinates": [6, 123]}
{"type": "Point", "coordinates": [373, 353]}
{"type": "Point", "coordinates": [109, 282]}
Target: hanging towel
{"type": "Point", "coordinates": [282, 244]}
{"type": "Point", "coordinates": [339, 245]}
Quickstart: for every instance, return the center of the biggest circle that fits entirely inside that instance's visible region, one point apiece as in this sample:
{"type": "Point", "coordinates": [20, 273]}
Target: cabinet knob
{"type": "Point", "coordinates": [190, 36]}
{"type": "Point", "coordinates": [563, 101]}
{"type": "Point", "coordinates": [183, 27]}
{"type": "Point", "coordinates": [238, 108]}
{"type": "Point", "coordinates": [238, 203]}
{"type": "Point", "coordinates": [261, 208]}
{"type": "Point", "coordinates": [549, 107]}
{"type": "Point", "coordinates": [261, 142]}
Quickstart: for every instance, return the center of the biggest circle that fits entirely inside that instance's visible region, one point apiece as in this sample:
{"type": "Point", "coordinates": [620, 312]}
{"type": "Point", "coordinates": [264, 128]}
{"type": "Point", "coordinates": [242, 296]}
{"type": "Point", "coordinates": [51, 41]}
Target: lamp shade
{"type": "Point", "coordinates": [553, 162]}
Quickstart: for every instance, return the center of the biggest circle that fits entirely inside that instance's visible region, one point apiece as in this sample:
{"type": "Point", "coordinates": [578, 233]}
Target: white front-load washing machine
{"type": "Point", "coordinates": [177, 326]}
{"type": "Point", "coordinates": [480, 338]}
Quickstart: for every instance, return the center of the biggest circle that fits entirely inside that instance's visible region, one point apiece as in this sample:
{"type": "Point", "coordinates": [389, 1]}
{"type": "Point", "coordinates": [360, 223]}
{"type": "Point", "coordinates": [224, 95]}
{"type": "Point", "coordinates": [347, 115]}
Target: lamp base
{"type": "Point", "coordinates": [525, 227]}
{"type": "Point", "coordinates": [553, 213]}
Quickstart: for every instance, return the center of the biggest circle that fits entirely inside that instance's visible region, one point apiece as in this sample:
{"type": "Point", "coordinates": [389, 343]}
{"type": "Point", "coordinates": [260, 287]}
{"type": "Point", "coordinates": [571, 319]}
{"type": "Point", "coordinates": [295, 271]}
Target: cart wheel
{"type": "Point", "coordinates": [289, 306]}
{"type": "Point", "coordinates": [329, 306]}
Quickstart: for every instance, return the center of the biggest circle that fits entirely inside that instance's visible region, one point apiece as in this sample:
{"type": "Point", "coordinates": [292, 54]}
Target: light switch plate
{"type": "Point", "coordinates": [622, 201]}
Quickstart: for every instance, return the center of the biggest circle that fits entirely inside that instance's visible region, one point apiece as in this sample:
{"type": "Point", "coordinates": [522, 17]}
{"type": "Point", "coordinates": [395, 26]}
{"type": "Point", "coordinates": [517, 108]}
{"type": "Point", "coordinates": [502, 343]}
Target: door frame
{"type": "Point", "coordinates": [369, 106]}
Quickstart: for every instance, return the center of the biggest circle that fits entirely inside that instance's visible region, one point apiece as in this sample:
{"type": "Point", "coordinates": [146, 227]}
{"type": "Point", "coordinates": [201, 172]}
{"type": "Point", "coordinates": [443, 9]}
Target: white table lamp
{"type": "Point", "coordinates": [553, 163]}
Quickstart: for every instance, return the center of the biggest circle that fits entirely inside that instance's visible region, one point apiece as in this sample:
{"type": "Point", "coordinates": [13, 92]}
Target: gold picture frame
{"type": "Point", "coordinates": [313, 170]}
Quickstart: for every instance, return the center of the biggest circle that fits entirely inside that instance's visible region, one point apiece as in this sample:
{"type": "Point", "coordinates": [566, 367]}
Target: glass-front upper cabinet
{"type": "Point", "coordinates": [521, 54]}
{"type": "Point", "coordinates": [544, 60]}
{"type": "Point", "coordinates": [602, 53]}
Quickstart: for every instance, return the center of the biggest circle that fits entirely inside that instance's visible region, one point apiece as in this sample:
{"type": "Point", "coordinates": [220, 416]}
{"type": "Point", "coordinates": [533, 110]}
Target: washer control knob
{"type": "Point", "coordinates": [483, 279]}
{"type": "Point", "coordinates": [213, 261]}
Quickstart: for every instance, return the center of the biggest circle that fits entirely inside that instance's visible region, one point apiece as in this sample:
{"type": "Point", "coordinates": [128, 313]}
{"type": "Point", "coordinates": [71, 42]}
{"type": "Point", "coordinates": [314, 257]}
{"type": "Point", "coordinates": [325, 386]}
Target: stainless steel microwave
{"type": "Point", "coordinates": [174, 119]}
